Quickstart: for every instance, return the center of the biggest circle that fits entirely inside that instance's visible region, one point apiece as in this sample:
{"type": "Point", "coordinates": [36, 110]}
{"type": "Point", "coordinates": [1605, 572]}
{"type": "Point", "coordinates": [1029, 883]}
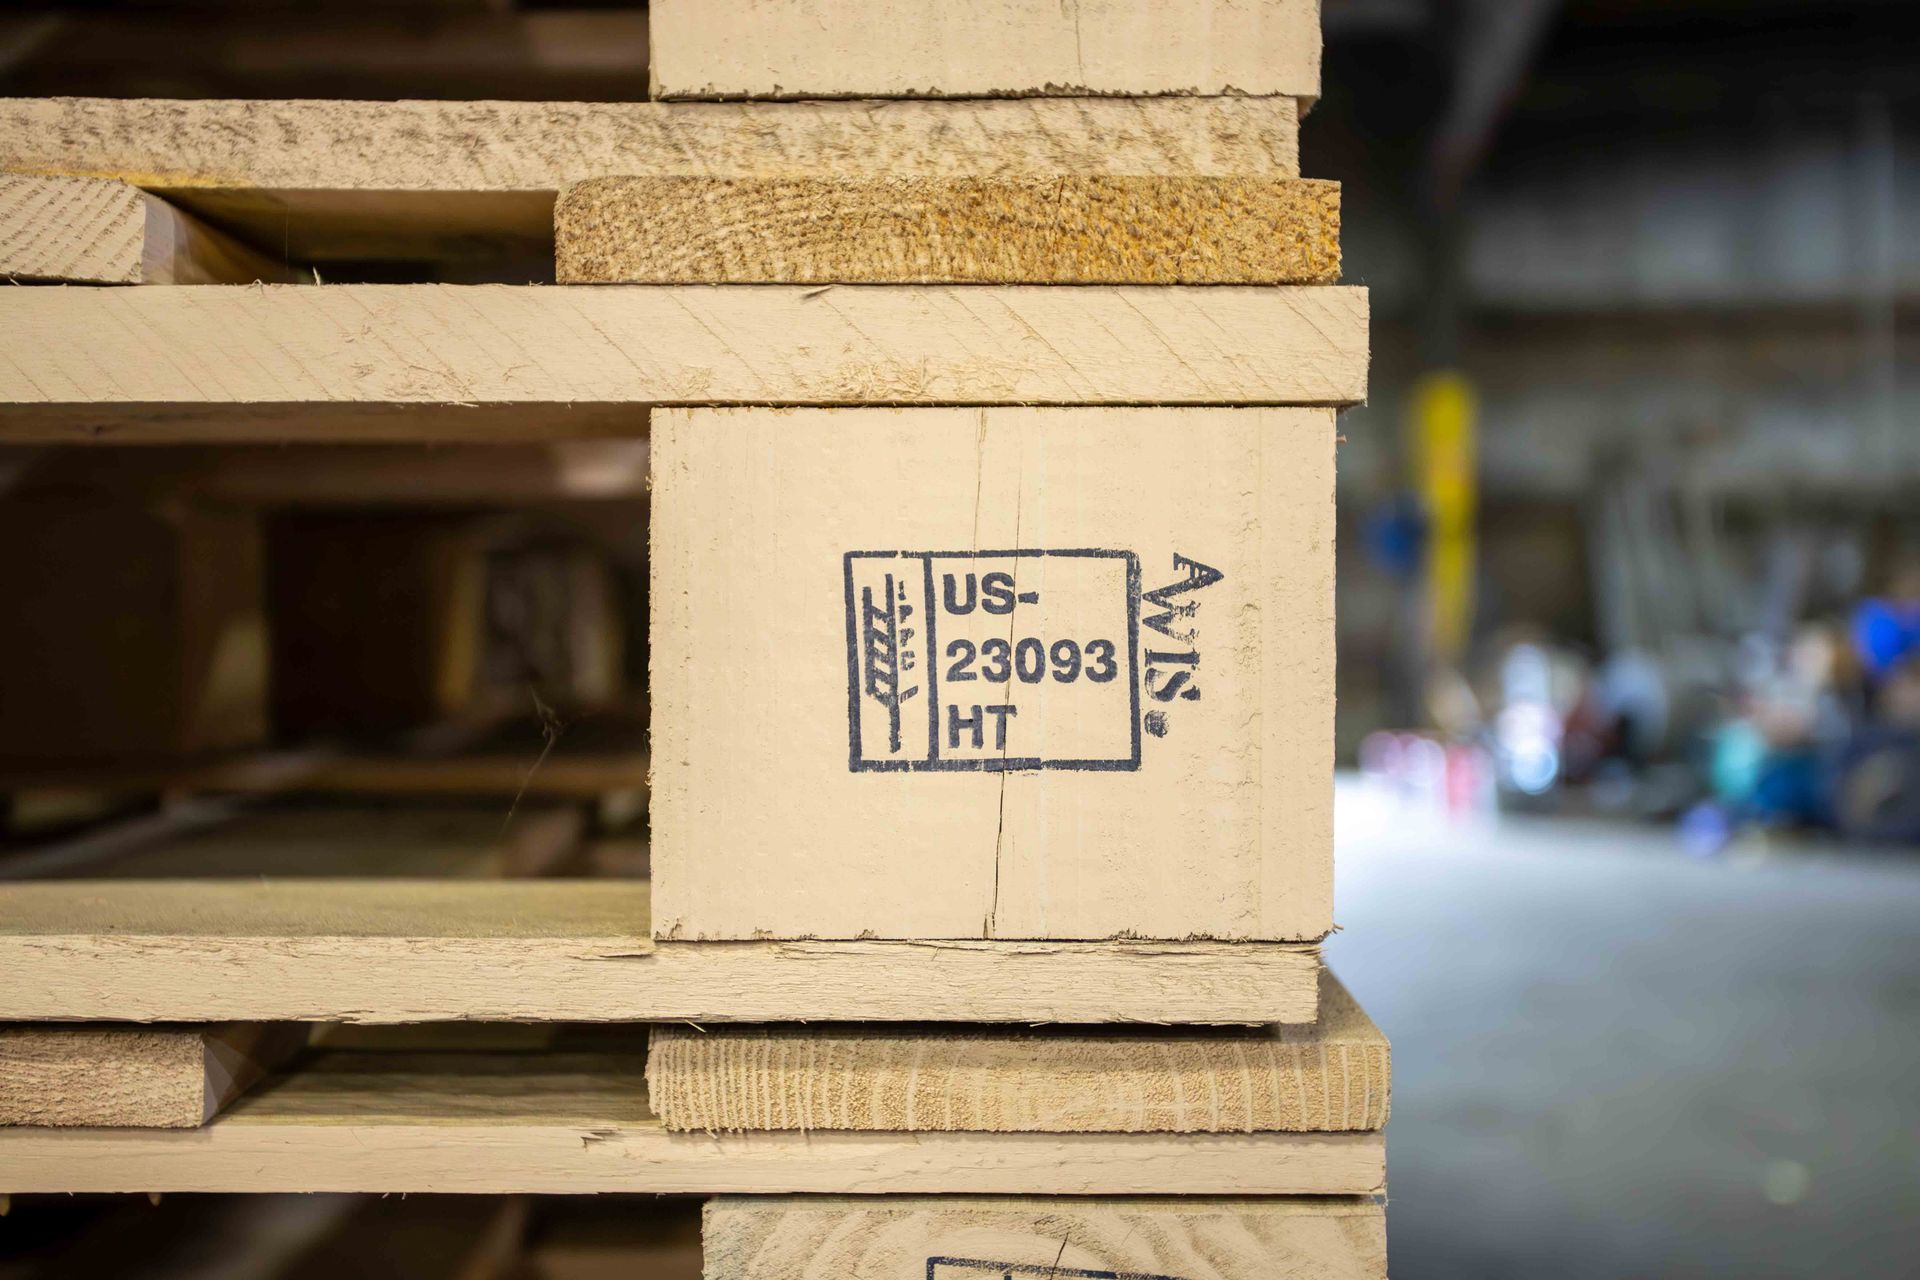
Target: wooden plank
{"type": "Point", "coordinates": [385, 951]}
{"type": "Point", "coordinates": [100, 231]}
{"type": "Point", "coordinates": [568, 1124]}
{"type": "Point", "coordinates": [1328, 1076]}
{"type": "Point", "coordinates": [178, 351]}
{"type": "Point", "coordinates": [173, 1078]}
{"type": "Point", "coordinates": [1060, 230]}
{"type": "Point", "coordinates": [1170, 778]}
{"type": "Point", "coordinates": [332, 423]}
{"type": "Point", "coordinates": [1050, 1238]}
{"type": "Point", "coordinates": [436, 180]}
{"type": "Point", "coordinates": [990, 48]}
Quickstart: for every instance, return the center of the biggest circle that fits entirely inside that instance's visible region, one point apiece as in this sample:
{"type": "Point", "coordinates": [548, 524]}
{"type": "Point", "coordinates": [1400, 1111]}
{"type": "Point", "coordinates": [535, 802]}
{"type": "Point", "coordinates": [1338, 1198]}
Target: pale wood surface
{"type": "Point", "coordinates": [1020, 48]}
{"type": "Point", "coordinates": [1329, 1076]}
{"type": "Point", "coordinates": [1063, 230]}
{"type": "Point", "coordinates": [175, 349]}
{"type": "Point", "coordinates": [565, 1123]}
{"type": "Point", "coordinates": [1051, 1238]}
{"type": "Point", "coordinates": [319, 179]}
{"type": "Point", "coordinates": [385, 951]}
{"type": "Point", "coordinates": [762, 828]}
{"type": "Point", "coordinates": [177, 1077]}
{"type": "Point", "coordinates": [101, 231]}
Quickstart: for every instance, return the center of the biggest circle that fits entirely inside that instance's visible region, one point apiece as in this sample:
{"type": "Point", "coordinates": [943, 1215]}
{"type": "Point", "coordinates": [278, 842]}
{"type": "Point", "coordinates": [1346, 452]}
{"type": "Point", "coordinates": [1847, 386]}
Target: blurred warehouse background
{"type": "Point", "coordinates": [1629, 586]}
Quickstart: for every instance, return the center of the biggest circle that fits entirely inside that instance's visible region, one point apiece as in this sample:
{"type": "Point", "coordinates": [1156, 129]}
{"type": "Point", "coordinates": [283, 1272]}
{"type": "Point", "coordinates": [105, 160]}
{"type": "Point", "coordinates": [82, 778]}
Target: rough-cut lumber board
{"type": "Point", "coordinates": [567, 951]}
{"type": "Point", "coordinates": [988, 48]}
{"type": "Point", "coordinates": [1324, 1077]}
{"type": "Point", "coordinates": [1188, 787]}
{"type": "Point", "coordinates": [177, 351]}
{"type": "Point", "coordinates": [311, 421]}
{"type": "Point", "coordinates": [132, 629]}
{"type": "Point", "coordinates": [101, 231]}
{"type": "Point", "coordinates": [170, 1078]}
{"type": "Point", "coordinates": [579, 1123]}
{"type": "Point", "coordinates": [323, 179]}
{"type": "Point", "coordinates": [834, 230]}
{"type": "Point", "coordinates": [1050, 1238]}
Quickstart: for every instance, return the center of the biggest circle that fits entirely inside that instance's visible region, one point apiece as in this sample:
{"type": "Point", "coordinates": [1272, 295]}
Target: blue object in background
{"type": "Point", "coordinates": [1886, 633]}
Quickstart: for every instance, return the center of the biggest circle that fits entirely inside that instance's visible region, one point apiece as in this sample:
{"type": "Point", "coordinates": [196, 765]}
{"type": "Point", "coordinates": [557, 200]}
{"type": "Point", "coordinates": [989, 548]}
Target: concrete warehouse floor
{"type": "Point", "coordinates": [1613, 1061]}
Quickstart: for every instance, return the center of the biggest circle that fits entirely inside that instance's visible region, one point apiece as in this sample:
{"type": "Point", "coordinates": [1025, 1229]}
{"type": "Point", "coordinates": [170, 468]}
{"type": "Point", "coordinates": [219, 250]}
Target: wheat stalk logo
{"type": "Point", "coordinates": [883, 637]}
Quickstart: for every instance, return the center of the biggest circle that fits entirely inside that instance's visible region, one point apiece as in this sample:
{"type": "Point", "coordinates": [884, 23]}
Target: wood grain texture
{"type": "Point", "coordinates": [324, 179]}
{"type": "Point", "coordinates": [833, 230]}
{"type": "Point", "coordinates": [171, 1078]}
{"type": "Point", "coordinates": [441, 344]}
{"type": "Point", "coordinates": [1017, 48]}
{"type": "Point", "coordinates": [1221, 827]}
{"type": "Point", "coordinates": [1012, 1238]}
{"type": "Point", "coordinates": [71, 230]}
{"type": "Point", "coordinates": [1329, 1076]}
{"type": "Point", "coordinates": [385, 951]}
{"type": "Point", "coordinates": [566, 1124]}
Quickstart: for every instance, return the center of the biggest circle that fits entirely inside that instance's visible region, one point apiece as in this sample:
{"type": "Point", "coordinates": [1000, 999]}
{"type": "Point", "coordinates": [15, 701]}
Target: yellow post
{"type": "Point", "coordinates": [1445, 413]}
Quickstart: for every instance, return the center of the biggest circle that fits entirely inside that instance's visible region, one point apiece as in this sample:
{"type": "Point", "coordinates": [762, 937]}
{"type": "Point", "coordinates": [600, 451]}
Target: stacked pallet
{"type": "Point", "coordinates": [991, 434]}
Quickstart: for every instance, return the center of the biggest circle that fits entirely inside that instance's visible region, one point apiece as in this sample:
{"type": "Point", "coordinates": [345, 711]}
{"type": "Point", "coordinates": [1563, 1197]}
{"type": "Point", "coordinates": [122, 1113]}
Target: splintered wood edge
{"type": "Point", "coordinates": [1060, 230]}
{"type": "Point", "coordinates": [1333, 1075]}
{"type": "Point", "coordinates": [385, 951]}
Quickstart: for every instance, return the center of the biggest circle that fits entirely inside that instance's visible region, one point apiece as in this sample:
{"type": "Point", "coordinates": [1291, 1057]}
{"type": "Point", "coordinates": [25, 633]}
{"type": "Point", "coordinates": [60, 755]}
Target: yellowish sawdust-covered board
{"type": "Point", "coordinates": [1049, 230]}
{"type": "Point", "coordinates": [1332, 1075]}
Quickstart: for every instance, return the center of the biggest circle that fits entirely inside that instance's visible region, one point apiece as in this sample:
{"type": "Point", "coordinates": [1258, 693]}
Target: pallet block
{"type": "Point", "coordinates": [180, 364]}
{"type": "Point", "coordinates": [989, 48]}
{"type": "Point", "coordinates": [1057, 230]}
{"type": "Point", "coordinates": [387, 951]}
{"type": "Point", "coordinates": [563, 1123]}
{"type": "Point", "coordinates": [169, 1078]}
{"type": "Point", "coordinates": [68, 230]}
{"type": "Point", "coordinates": [322, 180]}
{"type": "Point", "coordinates": [1044, 1238]}
{"type": "Point", "coordinates": [1009, 674]}
{"type": "Point", "coordinates": [1328, 1076]}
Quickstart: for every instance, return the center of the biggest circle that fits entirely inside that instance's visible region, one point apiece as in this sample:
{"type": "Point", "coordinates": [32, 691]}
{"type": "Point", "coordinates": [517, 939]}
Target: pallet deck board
{"type": "Point", "coordinates": [387, 951]}
{"type": "Point", "coordinates": [328, 180]}
{"type": "Point", "coordinates": [564, 1124]}
{"type": "Point", "coordinates": [988, 48]}
{"type": "Point", "coordinates": [155, 355]}
{"type": "Point", "coordinates": [1329, 1076]}
{"type": "Point", "coordinates": [1056, 230]}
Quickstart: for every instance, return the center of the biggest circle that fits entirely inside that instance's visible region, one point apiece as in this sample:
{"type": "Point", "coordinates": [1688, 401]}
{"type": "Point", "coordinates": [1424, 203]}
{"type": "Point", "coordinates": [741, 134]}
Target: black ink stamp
{"type": "Point", "coordinates": [993, 661]}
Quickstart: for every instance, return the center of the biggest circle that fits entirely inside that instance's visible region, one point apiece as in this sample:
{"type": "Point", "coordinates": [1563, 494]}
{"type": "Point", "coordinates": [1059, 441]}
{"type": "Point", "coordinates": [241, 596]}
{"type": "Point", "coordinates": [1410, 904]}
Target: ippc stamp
{"type": "Point", "coordinates": [993, 661]}
{"type": "Point", "coordinates": [979, 1269]}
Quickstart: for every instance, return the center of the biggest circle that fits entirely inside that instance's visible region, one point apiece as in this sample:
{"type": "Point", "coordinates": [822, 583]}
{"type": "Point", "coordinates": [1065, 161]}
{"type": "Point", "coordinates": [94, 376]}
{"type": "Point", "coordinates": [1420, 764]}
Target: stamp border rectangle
{"type": "Point", "coordinates": [989, 764]}
{"type": "Point", "coordinates": [1037, 1271]}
